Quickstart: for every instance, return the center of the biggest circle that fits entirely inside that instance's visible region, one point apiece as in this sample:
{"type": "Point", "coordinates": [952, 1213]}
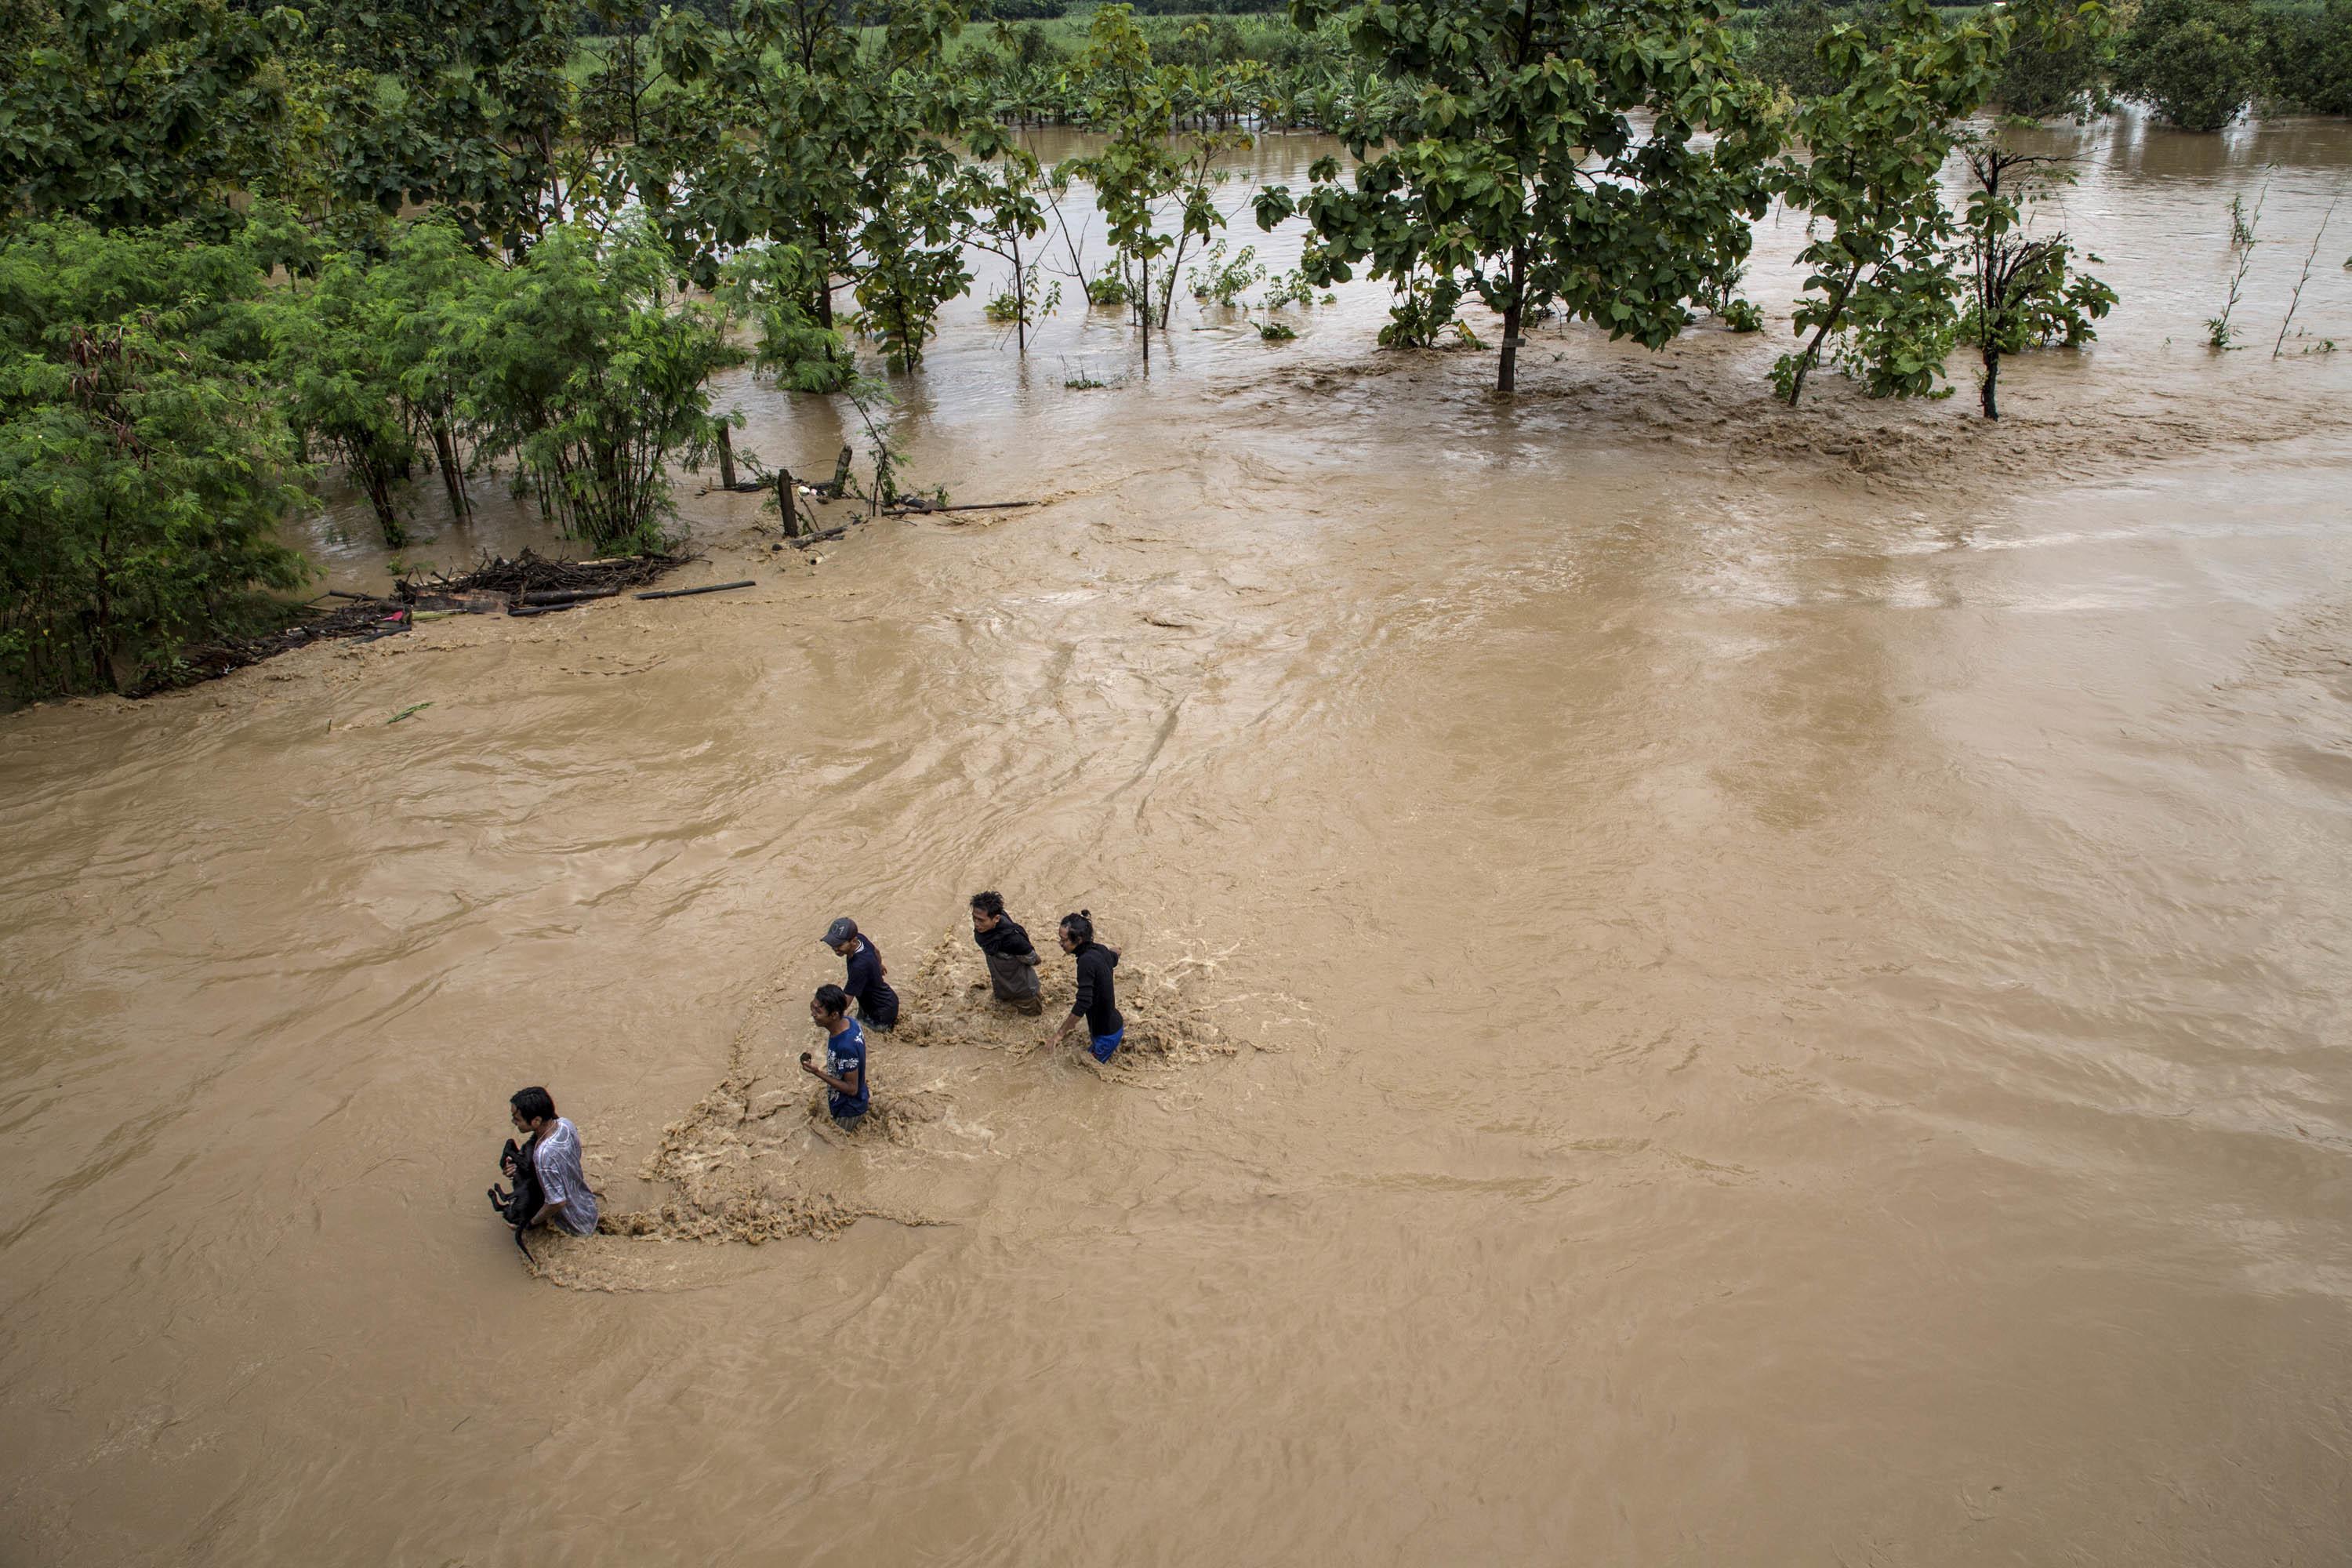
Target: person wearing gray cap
{"type": "Point", "coordinates": [877, 1004]}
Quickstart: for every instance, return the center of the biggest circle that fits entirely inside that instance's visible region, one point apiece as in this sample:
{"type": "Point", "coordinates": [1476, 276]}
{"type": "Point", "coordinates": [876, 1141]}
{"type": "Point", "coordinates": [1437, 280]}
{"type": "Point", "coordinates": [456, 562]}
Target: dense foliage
{"type": "Point", "coordinates": [2307, 56]}
{"type": "Point", "coordinates": [2024, 290]}
{"type": "Point", "coordinates": [405, 241]}
{"type": "Point", "coordinates": [142, 463]}
{"type": "Point", "coordinates": [2197, 62]}
{"type": "Point", "coordinates": [1552, 156]}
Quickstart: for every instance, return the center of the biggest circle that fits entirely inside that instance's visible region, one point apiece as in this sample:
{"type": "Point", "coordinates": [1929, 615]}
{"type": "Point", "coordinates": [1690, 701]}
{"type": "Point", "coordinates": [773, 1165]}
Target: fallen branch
{"type": "Point", "coordinates": [910, 504]}
{"type": "Point", "coordinates": [689, 593]}
{"type": "Point", "coordinates": [567, 596]}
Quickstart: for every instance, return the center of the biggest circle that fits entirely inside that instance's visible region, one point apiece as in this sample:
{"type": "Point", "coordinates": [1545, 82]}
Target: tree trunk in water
{"type": "Point", "coordinates": [378, 486]}
{"type": "Point", "coordinates": [840, 486]}
{"type": "Point", "coordinates": [787, 503]}
{"type": "Point", "coordinates": [825, 283]}
{"type": "Point", "coordinates": [1813, 349]}
{"type": "Point", "coordinates": [445, 452]}
{"type": "Point", "coordinates": [1507, 380]}
{"type": "Point", "coordinates": [1991, 381]}
{"type": "Point", "coordinates": [1020, 301]}
{"type": "Point", "coordinates": [725, 459]}
{"type": "Point", "coordinates": [1143, 318]}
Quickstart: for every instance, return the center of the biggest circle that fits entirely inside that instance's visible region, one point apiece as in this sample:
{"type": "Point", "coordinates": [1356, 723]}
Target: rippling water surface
{"type": "Point", "coordinates": [1771, 991]}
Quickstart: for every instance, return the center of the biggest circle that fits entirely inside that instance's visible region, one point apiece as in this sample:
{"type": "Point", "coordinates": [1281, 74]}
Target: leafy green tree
{"type": "Point", "coordinates": [2197, 62]}
{"type": "Point", "coordinates": [2307, 56]}
{"type": "Point", "coordinates": [580, 366]}
{"type": "Point", "coordinates": [364, 356]}
{"type": "Point", "coordinates": [1012, 214]}
{"type": "Point", "coordinates": [787, 127]}
{"type": "Point", "coordinates": [1880, 278]}
{"type": "Point", "coordinates": [143, 465]}
{"type": "Point", "coordinates": [2053, 72]}
{"type": "Point", "coordinates": [463, 105]}
{"type": "Point", "coordinates": [2022, 291]}
{"type": "Point", "coordinates": [432, 278]}
{"type": "Point", "coordinates": [338, 363]}
{"type": "Point", "coordinates": [132, 113]}
{"type": "Point", "coordinates": [767, 289]}
{"type": "Point", "coordinates": [1140, 166]}
{"type": "Point", "coordinates": [1550, 155]}
{"type": "Point", "coordinates": [1783, 44]}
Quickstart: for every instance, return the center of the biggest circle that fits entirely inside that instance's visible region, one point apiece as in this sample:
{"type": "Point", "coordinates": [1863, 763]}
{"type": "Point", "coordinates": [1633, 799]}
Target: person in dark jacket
{"type": "Point", "coordinates": [1012, 956]}
{"type": "Point", "coordinates": [877, 1004]}
{"type": "Point", "coordinates": [1097, 1007]}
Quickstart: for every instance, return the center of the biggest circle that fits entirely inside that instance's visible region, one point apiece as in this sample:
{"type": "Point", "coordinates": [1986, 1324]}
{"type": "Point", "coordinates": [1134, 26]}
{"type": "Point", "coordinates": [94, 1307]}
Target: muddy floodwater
{"type": "Point", "coordinates": [1708, 985]}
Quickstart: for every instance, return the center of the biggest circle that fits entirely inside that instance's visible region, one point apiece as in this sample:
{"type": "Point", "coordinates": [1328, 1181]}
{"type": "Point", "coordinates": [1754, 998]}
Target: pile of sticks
{"type": "Point", "coordinates": [532, 582]}
{"type": "Point", "coordinates": [358, 619]}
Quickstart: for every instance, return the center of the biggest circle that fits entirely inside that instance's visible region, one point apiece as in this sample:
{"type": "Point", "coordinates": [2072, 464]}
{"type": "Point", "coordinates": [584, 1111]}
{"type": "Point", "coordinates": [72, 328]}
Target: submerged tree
{"type": "Point", "coordinates": [1139, 165]}
{"type": "Point", "coordinates": [367, 356]}
{"type": "Point", "coordinates": [338, 362]}
{"type": "Point", "coordinates": [1868, 178]}
{"type": "Point", "coordinates": [583, 369]}
{"type": "Point", "coordinates": [2022, 291]}
{"type": "Point", "coordinates": [1552, 156]}
{"type": "Point", "coordinates": [2197, 62]}
{"type": "Point", "coordinates": [791, 128]}
{"type": "Point", "coordinates": [1011, 208]}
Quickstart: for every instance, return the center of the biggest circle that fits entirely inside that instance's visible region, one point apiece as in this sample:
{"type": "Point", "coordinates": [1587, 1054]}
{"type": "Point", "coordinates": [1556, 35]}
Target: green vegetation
{"type": "Point", "coordinates": [1869, 176]}
{"type": "Point", "coordinates": [405, 237]}
{"type": "Point", "coordinates": [142, 468]}
{"type": "Point", "coordinates": [2307, 56]}
{"type": "Point", "coordinates": [2197, 62]}
{"type": "Point", "coordinates": [2022, 293]}
{"type": "Point", "coordinates": [1517, 170]}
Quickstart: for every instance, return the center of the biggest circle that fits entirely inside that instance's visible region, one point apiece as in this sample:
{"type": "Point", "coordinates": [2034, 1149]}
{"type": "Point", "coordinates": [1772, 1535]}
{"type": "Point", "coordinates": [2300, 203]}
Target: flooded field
{"type": "Point", "coordinates": [1710, 985]}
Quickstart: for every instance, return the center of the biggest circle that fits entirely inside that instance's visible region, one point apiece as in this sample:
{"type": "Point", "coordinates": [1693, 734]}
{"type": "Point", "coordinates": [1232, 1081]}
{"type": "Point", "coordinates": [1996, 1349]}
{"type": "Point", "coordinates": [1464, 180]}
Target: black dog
{"type": "Point", "coordinates": [527, 1199]}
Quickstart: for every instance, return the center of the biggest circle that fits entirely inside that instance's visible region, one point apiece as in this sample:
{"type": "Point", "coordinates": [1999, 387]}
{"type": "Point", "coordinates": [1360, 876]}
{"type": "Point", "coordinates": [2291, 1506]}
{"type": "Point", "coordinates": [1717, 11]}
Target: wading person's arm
{"type": "Point", "coordinates": [1080, 1007]}
{"type": "Point", "coordinates": [846, 1085]}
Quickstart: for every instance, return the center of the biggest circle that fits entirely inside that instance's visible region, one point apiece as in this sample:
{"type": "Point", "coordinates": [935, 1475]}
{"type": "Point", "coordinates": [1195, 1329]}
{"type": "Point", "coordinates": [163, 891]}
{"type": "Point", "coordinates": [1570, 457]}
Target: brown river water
{"type": "Point", "coordinates": [1707, 985]}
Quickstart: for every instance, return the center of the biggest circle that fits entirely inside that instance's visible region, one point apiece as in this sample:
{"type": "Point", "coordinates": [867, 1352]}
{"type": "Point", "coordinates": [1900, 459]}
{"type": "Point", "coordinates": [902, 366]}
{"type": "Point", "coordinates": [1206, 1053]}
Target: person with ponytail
{"type": "Point", "coordinates": [1096, 1006]}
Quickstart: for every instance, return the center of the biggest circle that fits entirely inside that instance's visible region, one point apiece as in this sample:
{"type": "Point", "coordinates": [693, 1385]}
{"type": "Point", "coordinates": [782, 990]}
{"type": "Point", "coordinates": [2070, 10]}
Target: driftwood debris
{"type": "Point", "coordinates": [532, 579]}
{"type": "Point", "coordinates": [906, 505]}
{"type": "Point", "coordinates": [363, 620]}
{"type": "Point", "coordinates": [529, 585]}
{"type": "Point", "coordinates": [567, 596]}
{"type": "Point", "coordinates": [689, 593]}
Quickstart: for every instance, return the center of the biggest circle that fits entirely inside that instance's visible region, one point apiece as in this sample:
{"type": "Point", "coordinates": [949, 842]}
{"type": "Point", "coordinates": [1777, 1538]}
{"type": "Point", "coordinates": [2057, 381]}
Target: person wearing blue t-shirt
{"type": "Point", "coordinates": [848, 1095]}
